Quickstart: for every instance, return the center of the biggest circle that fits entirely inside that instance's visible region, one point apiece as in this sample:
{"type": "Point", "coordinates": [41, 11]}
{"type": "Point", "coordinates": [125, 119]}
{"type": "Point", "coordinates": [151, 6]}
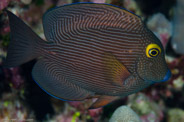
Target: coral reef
{"type": "Point", "coordinates": [177, 39]}
{"type": "Point", "coordinates": [132, 6]}
{"type": "Point", "coordinates": [3, 4]}
{"type": "Point", "coordinates": [147, 109]}
{"type": "Point", "coordinates": [22, 100]}
{"type": "Point", "coordinates": [74, 111]}
{"type": "Point", "coordinates": [177, 68]}
{"type": "Point", "coordinates": [13, 76]}
{"type": "Point", "coordinates": [175, 115]}
{"type": "Point", "coordinates": [161, 27]}
{"type": "Point", "coordinates": [98, 1]}
{"type": "Point", "coordinates": [13, 109]}
{"type": "Point", "coordinates": [26, 2]}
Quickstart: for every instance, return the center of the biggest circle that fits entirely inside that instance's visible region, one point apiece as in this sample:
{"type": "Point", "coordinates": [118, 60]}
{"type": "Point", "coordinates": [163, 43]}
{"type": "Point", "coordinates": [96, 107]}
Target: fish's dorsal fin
{"type": "Point", "coordinates": [115, 71]}
{"type": "Point", "coordinates": [102, 101]}
{"type": "Point", "coordinates": [63, 22]}
{"type": "Point", "coordinates": [50, 78]}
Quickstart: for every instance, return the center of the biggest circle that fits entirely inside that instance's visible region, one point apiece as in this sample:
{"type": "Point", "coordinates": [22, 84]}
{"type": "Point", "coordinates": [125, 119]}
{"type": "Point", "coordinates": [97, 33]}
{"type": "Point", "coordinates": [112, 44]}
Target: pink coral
{"type": "Point", "coordinates": [95, 114]}
{"type": "Point", "coordinates": [3, 4]}
{"type": "Point", "coordinates": [64, 118]}
{"type": "Point", "coordinates": [5, 30]}
{"type": "Point", "coordinates": [13, 109]}
{"type": "Point", "coordinates": [164, 37]}
{"type": "Point", "coordinates": [14, 77]}
{"type": "Point", "coordinates": [161, 27]}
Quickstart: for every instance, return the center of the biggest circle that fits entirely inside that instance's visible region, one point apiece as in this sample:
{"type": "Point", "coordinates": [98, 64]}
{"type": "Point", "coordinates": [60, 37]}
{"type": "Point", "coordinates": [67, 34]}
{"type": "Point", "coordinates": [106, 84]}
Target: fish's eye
{"type": "Point", "coordinates": [152, 50]}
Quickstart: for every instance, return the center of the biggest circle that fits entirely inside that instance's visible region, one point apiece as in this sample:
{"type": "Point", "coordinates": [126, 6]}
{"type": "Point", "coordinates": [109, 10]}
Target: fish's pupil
{"type": "Point", "coordinates": [154, 52]}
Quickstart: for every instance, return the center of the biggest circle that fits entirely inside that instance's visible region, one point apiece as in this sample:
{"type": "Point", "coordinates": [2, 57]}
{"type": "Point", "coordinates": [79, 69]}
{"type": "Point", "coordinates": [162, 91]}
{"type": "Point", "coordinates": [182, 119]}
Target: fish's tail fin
{"type": "Point", "coordinates": [24, 46]}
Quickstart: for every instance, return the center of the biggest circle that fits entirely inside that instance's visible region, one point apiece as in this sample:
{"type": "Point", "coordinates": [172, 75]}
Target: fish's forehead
{"type": "Point", "coordinates": [147, 37]}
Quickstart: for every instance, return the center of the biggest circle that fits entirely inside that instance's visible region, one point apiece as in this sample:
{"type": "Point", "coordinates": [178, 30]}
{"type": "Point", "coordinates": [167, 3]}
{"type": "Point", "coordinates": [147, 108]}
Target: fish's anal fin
{"type": "Point", "coordinates": [49, 76]}
{"type": "Point", "coordinates": [115, 71]}
{"type": "Point", "coordinates": [102, 101]}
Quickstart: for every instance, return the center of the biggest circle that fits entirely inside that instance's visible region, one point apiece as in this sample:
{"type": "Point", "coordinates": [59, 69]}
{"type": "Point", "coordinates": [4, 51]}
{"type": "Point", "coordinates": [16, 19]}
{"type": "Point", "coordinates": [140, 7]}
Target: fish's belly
{"type": "Point", "coordinates": [87, 71]}
{"type": "Point", "coordinates": [85, 67]}
{"type": "Point", "coordinates": [81, 56]}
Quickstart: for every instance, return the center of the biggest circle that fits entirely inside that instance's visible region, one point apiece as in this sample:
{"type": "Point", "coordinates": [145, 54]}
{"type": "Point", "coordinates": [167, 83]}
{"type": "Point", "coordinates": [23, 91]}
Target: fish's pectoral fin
{"type": "Point", "coordinates": [102, 101]}
{"type": "Point", "coordinates": [115, 71]}
{"type": "Point", "coordinates": [49, 76]}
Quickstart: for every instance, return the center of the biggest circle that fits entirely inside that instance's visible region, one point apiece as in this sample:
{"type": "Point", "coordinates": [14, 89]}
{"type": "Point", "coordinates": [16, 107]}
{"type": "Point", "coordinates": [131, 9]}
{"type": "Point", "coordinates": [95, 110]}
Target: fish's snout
{"type": "Point", "coordinates": [167, 76]}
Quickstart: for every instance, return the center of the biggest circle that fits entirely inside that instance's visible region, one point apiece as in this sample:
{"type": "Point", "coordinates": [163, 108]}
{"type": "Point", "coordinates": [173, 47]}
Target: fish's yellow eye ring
{"type": "Point", "coordinates": [152, 50]}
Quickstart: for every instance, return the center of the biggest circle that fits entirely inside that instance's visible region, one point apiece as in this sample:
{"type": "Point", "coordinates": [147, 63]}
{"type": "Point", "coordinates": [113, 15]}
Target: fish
{"type": "Point", "coordinates": [91, 51]}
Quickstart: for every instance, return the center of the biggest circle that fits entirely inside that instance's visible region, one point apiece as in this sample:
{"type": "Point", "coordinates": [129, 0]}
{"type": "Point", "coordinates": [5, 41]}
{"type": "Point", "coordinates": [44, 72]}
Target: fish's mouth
{"type": "Point", "coordinates": [167, 76]}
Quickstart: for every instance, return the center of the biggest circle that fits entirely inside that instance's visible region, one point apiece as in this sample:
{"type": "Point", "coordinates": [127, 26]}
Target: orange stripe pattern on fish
{"type": "Point", "coordinates": [92, 50]}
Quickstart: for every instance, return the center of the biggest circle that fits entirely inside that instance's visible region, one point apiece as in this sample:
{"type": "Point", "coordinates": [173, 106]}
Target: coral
{"type": "Point", "coordinates": [26, 2]}
{"type": "Point", "coordinates": [161, 27]}
{"type": "Point", "coordinates": [63, 118]}
{"type": "Point", "coordinates": [175, 115]}
{"type": "Point", "coordinates": [147, 109]}
{"type": "Point", "coordinates": [132, 6]}
{"type": "Point", "coordinates": [63, 2]}
{"type": "Point", "coordinates": [98, 1]}
{"type": "Point", "coordinates": [178, 25]}
{"type": "Point", "coordinates": [12, 109]}
{"type": "Point", "coordinates": [177, 68]}
{"type": "Point", "coordinates": [178, 83]}
{"type": "Point", "coordinates": [124, 114]}
{"type": "Point", "coordinates": [83, 106]}
{"type": "Point", "coordinates": [13, 76]}
{"type": "Point", "coordinates": [95, 114]}
{"type": "Point", "coordinates": [22, 100]}
{"type": "Point", "coordinates": [3, 4]}
{"type": "Point", "coordinates": [75, 110]}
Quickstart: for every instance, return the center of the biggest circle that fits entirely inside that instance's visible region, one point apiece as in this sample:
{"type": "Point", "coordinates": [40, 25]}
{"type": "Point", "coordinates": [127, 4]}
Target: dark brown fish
{"type": "Point", "coordinates": [92, 50]}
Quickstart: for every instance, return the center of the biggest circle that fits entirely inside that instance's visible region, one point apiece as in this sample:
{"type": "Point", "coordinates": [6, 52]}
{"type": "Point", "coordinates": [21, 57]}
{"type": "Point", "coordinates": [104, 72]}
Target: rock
{"type": "Point", "coordinates": [124, 114]}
